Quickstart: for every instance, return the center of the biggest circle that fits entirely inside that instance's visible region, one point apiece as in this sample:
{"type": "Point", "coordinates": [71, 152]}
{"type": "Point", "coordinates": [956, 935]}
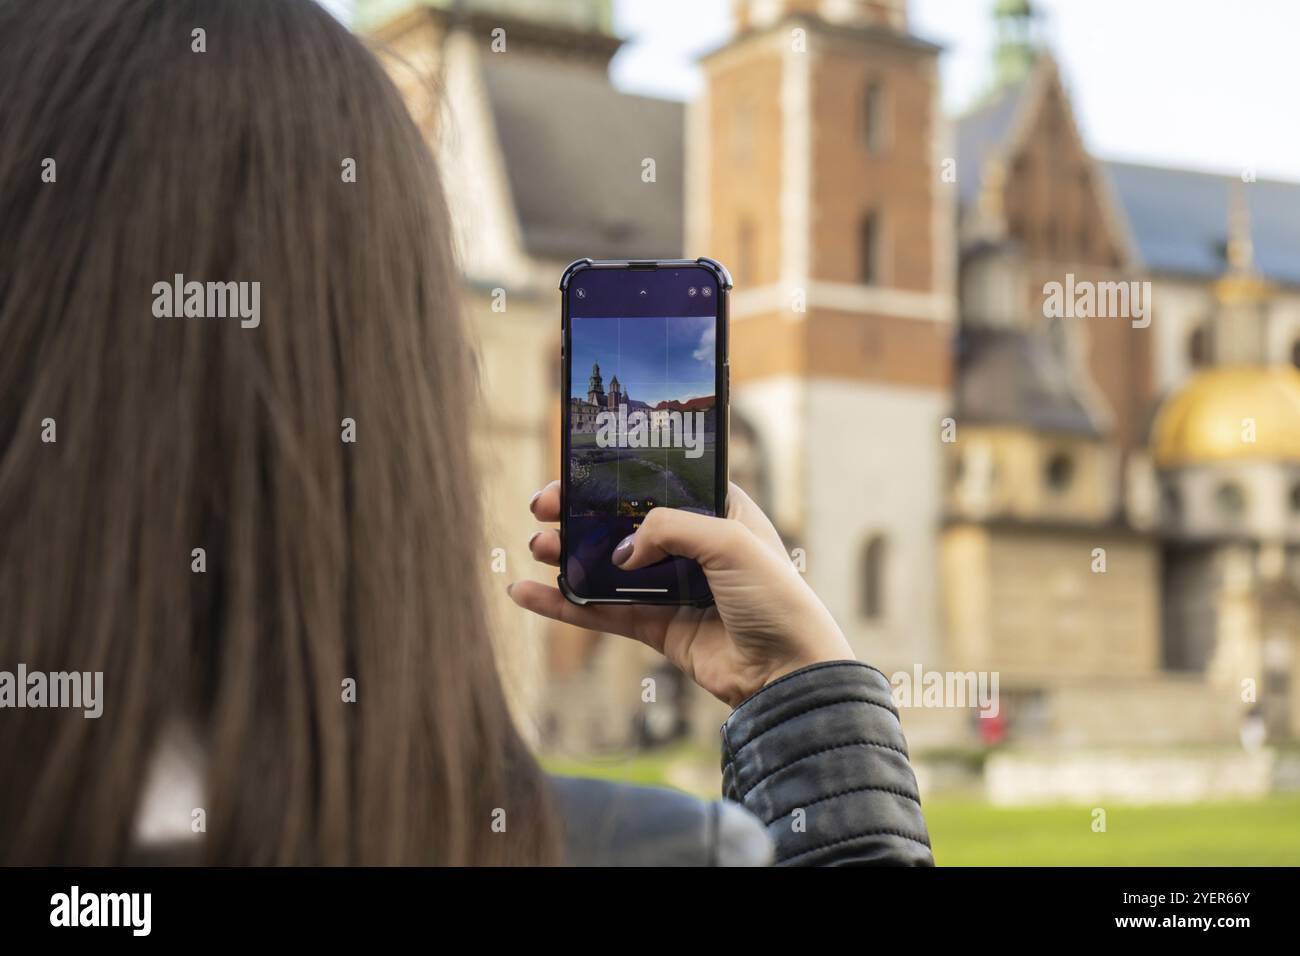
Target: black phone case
{"type": "Point", "coordinates": [723, 390]}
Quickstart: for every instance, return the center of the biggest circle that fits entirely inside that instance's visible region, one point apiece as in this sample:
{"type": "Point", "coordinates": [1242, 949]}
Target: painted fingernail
{"type": "Point", "coordinates": [531, 538]}
{"type": "Point", "coordinates": [532, 502]}
{"type": "Point", "coordinates": [623, 551]}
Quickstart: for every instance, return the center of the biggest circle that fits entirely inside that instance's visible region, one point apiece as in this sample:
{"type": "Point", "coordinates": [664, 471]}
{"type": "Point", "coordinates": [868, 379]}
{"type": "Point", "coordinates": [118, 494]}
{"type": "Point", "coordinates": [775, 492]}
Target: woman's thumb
{"type": "Point", "coordinates": [668, 532]}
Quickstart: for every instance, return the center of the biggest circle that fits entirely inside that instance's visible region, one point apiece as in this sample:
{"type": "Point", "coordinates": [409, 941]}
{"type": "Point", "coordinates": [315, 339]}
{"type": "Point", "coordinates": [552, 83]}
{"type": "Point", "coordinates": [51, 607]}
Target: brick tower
{"type": "Point", "coordinates": [816, 172]}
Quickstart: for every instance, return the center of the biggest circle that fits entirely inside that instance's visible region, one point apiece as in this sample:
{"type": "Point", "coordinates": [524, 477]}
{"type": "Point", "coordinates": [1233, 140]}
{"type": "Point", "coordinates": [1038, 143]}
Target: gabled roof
{"type": "Point", "coordinates": [1179, 220]}
{"type": "Point", "coordinates": [997, 130]}
{"type": "Point", "coordinates": [574, 147]}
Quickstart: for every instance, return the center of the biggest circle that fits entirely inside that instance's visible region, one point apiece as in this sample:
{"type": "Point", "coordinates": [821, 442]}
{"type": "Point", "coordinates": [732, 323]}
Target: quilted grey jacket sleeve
{"type": "Point", "coordinates": [819, 757]}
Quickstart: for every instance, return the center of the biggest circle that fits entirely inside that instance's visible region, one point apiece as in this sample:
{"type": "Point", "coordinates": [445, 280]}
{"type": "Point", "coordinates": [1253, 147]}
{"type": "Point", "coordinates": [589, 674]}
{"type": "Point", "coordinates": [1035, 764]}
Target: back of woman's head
{"type": "Point", "coordinates": [245, 521]}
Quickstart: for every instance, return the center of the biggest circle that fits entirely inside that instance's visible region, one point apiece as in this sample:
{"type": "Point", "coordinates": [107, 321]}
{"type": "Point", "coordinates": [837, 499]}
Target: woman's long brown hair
{"type": "Point", "coordinates": [326, 561]}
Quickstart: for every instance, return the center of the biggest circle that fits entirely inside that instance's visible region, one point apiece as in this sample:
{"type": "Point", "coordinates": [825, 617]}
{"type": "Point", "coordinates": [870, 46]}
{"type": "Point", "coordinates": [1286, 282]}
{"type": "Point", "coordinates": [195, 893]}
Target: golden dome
{"type": "Point", "coordinates": [1207, 421]}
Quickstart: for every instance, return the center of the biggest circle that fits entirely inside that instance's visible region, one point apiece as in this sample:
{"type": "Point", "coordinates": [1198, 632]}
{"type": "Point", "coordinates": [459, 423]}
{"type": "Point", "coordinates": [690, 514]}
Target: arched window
{"type": "Point", "coordinates": [1059, 471]}
{"type": "Point", "coordinates": [873, 578]}
{"type": "Point", "coordinates": [869, 249]}
{"type": "Point", "coordinates": [875, 120]}
{"type": "Point", "coordinates": [1198, 346]}
{"type": "Point", "coordinates": [746, 461]}
{"type": "Point", "coordinates": [1295, 353]}
{"type": "Point", "coordinates": [957, 465]}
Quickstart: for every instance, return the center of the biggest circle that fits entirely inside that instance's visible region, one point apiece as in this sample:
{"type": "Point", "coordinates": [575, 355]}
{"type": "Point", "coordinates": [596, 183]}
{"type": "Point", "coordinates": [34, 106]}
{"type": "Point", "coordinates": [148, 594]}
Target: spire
{"type": "Point", "coordinates": [1241, 329]}
{"type": "Point", "coordinates": [1018, 43]}
{"type": "Point", "coordinates": [1241, 283]}
{"type": "Point", "coordinates": [1241, 250]}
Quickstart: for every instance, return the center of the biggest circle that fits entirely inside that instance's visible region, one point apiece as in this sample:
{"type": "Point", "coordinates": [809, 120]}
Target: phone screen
{"type": "Point", "coordinates": [644, 422]}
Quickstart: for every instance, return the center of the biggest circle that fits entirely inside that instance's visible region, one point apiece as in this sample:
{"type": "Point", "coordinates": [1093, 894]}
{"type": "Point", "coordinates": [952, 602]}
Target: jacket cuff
{"type": "Point", "coordinates": [819, 757]}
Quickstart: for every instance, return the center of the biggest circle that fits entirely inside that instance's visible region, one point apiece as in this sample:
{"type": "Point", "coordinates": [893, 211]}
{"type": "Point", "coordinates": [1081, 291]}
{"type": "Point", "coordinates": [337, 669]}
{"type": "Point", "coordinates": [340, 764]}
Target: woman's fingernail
{"type": "Point", "coordinates": [509, 587]}
{"type": "Point", "coordinates": [623, 551]}
{"type": "Point", "coordinates": [531, 538]}
{"type": "Point", "coordinates": [532, 502]}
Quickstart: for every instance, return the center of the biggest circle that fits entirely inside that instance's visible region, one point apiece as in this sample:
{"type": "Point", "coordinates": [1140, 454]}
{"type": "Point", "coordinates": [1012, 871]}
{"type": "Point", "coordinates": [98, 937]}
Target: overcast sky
{"type": "Point", "coordinates": [1201, 83]}
{"type": "Point", "coordinates": [1209, 84]}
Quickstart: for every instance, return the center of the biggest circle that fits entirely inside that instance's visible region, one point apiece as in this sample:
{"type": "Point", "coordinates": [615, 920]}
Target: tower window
{"type": "Point", "coordinates": [1172, 504]}
{"type": "Point", "coordinates": [1057, 237]}
{"type": "Point", "coordinates": [873, 579]}
{"type": "Point", "coordinates": [745, 252]}
{"type": "Point", "coordinates": [1295, 499]}
{"type": "Point", "coordinates": [869, 249]}
{"type": "Point", "coordinates": [875, 122]}
{"type": "Point", "coordinates": [1295, 353]}
{"type": "Point", "coordinates": [742, 144]}
{"type": "Point", "coordinates": [1231, 500]}
{"type": "Point", "coordinates": [1021, 167]}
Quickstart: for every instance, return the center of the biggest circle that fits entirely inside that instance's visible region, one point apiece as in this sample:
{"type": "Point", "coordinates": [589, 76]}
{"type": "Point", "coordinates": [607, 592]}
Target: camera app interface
{"type": "Point", "coordinates": [642, 423]}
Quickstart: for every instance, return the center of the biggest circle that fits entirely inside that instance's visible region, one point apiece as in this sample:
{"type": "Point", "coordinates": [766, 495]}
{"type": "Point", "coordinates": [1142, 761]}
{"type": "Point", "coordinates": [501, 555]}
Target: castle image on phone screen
{"type": "Point", "coordinates": [642, 415]}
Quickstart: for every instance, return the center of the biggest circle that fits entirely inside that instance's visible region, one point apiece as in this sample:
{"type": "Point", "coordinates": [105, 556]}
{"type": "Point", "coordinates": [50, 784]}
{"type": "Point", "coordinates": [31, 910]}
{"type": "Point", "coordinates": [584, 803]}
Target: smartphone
{"type": "Point", "coordinates": [644, 423]}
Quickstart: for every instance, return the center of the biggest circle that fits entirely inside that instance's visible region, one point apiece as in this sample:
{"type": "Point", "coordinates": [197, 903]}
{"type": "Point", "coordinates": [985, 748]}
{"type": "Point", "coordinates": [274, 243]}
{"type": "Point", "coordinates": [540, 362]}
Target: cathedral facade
{"type": "Point", "coordinates": [1106, 512]}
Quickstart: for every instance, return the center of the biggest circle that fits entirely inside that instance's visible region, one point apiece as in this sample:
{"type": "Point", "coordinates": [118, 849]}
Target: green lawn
{"type": "Point", "coordinates": [967, 832]}
{"type": "Point", "coordinates": [640, 473]}
{"type": "Point", "coordinates": [1255, 833]}
{"type": "Point", "coordinates": [650, 768]}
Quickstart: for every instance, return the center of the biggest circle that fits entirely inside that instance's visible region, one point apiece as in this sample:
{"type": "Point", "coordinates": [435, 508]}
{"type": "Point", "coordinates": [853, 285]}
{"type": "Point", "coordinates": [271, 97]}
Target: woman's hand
{"type": "Point", "coordinates": [765, 623]}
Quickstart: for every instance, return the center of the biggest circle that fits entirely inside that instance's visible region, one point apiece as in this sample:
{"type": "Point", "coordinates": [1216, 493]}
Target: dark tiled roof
{"type": "Point", "coordinates": [573, 148]}
{"type": "Point", "coordinates": [981, 133]}
{"type": "Point", "coordinates": [1012, 378]}
{"type": "Point", "coordinates": [1179, 220]}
